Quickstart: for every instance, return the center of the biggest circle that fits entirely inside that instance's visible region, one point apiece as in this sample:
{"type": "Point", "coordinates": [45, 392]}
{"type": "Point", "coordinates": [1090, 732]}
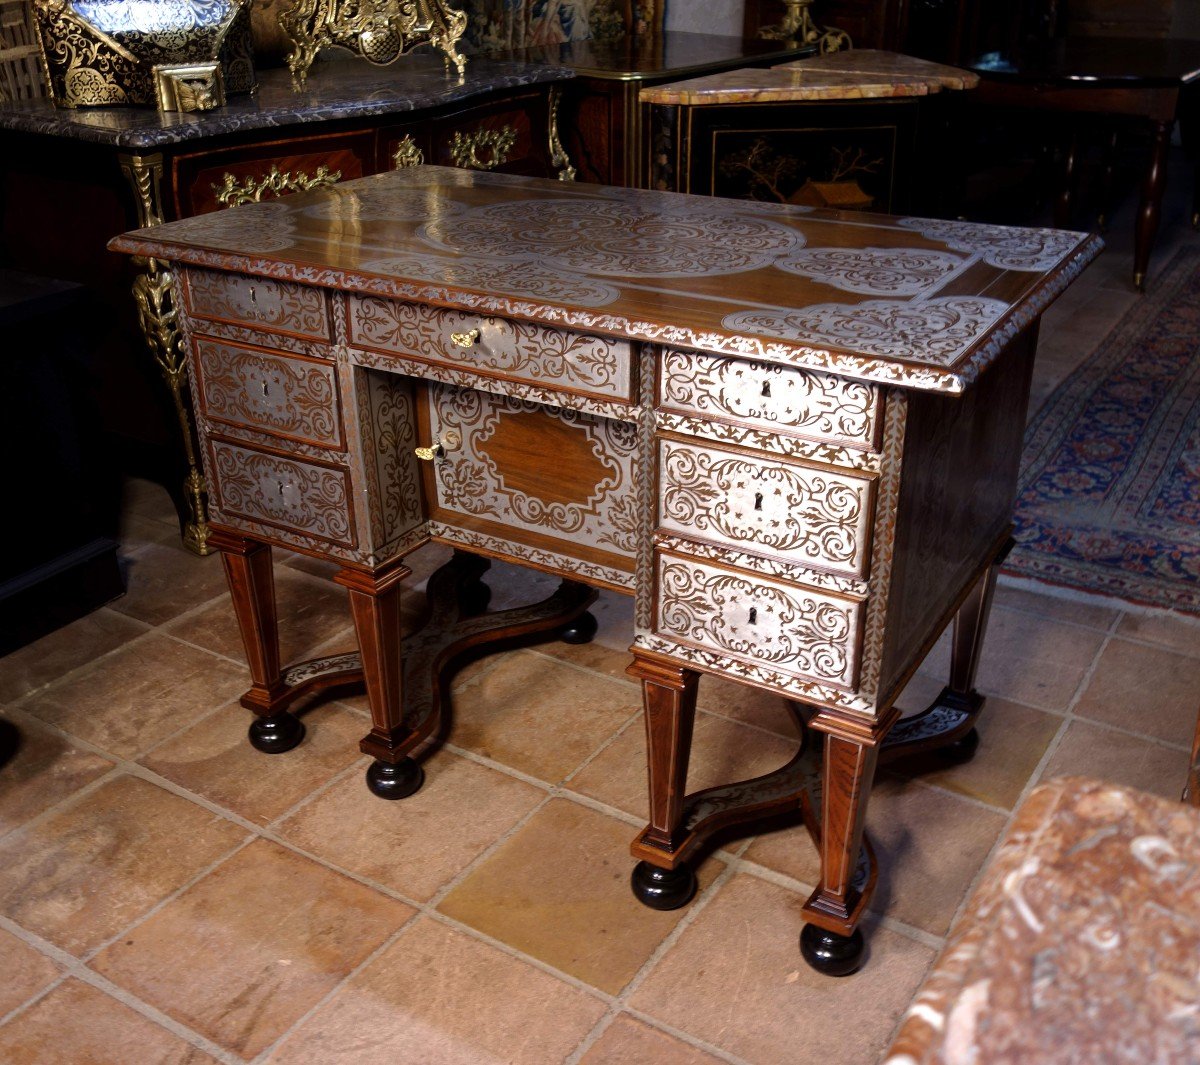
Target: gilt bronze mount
{"type": "Point", "coordinates": [798, 28]}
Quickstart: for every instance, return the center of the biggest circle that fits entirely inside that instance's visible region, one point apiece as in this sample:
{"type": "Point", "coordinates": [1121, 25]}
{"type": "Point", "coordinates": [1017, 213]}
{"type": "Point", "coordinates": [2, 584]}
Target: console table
{"type": "Point", "coordinates": [72, 179]}
{"type": "Point", "coordinates": [791, 435]}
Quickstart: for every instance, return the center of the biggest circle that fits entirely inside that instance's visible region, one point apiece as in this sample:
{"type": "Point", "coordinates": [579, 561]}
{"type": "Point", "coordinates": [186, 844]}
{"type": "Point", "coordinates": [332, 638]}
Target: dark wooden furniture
{"type": "Point", "coordinates": [1079, 943]}
{"type": "Point", "coordinates": [793, 436]}
{"type": "Point", "coordinates": [1147, 81]}
{"type": "Point", "coordinates": [860, 130]}
{"type": "Point", "coordinates": [73, 179]}
{"type": "Point", "coordinates": [59, 557]}
{"type": "Point", "coordinates": [601, 120]}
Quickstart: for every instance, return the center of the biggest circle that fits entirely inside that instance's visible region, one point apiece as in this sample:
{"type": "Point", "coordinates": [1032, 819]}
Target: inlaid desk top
{"type": "Point", "coordinates": [918, 303]}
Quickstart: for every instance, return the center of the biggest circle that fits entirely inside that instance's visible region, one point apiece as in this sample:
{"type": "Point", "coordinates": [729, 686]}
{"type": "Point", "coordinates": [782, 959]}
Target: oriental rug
{"type": "Point", "coordinates": [1108, 501]}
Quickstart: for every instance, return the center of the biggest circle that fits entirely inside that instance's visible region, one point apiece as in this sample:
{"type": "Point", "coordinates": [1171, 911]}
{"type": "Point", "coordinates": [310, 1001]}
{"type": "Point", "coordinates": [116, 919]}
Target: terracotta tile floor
{"type": "Point", "coordinates": [167, 894]}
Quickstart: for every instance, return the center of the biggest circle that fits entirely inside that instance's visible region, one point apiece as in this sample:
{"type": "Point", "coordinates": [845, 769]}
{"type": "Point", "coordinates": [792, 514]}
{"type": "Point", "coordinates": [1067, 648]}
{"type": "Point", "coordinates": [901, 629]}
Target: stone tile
{"type": "Point", "coordinates": [137, 533]}
{"type": "Point", "coordinates": [558, 890]}
{"type": "Point", "coordinates": [537, 715]}
{"type": "Point", "coordinates": [90, 869]}
{"type": "Point", "coordinates": [311, 613]}
{"type": "Point", "coordinates": [1054, 607]}
{"type": "Point", "coordinates": [164, 580]}
{"type": "Point", "coordinates": [276, 933]}
{"type": "Point", "coordinates": [26, 972]}
{"type": "Point", "coordinates": [627, 1040]}
{"type": "Point", "coordinates": [735, 979]}
{"type": "Point", "coordinates": [608, 652]}
{"type": "Point", "coordinates": [78, 1024]}
{"type": "Point", "coordinates": [139, 696]}
{"type": "Point", "coordinates": [1144, 689]}
{"type": "Point", "coordinates": [1034, 660]}
{"type": "Point", "coordinates": [147, 499]}
{"type": "Point", "coordinates": [214, 759]}
{"type": "Point", "coordinates": [929, 846]}
{"type": "Point", "coordinates": [723, 751]}
{"type": "Point", "coordinates": [740, 702]}
{"type": "Point", "coordinates": [1171, 631]}
{"type": "Point", "coordinates": [919, 693]}
{"type": "Point", "coordinates": [1012, 741]}
{"type": "Point", "coordinates": [414, 846]}
{"type": "Point", "coordinates": [45, 770]}
{"type": "Point", "coordinates": [1092, 751]}
{"type": "Point", "coordinates": [439, 997]}
{"type": "Point", "coordinates": [63, 650]}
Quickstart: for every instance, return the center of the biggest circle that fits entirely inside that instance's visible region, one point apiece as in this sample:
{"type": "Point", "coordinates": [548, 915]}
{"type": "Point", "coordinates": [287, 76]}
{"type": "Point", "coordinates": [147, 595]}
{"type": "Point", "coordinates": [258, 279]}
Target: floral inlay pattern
{"type": "Point", "coordinates": [875, 271]}
{"type": "Point", "coordinates": [1004, 247]}
{"type": "Point", "coordinates": [252, 227]}
{"type": "Point", "coordinates": [380, 201]}
{"type": "Point", "coordinates": [617, 239]}
{"type": "Point", "coordinates": [937, 331]}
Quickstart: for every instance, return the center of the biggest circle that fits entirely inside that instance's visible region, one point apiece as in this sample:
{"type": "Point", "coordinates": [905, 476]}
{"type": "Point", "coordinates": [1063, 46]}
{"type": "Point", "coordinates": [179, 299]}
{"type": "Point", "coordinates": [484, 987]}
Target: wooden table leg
{"type": "Point", "coordinates": [669, 700]}
{"type": "Point", "coordinates": [250, 574]}
{"type": "Point", "coordinates": [375, 604]}
{"type": "Point", "coordinates": [1154, 185]}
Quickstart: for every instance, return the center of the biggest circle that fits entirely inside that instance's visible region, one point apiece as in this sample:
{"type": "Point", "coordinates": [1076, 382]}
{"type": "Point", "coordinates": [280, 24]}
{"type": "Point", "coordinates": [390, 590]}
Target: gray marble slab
{"type": "Point", "coordinates": [335, 90]}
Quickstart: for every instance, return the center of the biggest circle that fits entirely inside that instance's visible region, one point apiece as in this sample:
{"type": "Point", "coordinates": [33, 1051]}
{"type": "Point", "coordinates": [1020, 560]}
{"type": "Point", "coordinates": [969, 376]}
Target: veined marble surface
{"type": "Point", "coordinates": [923, 304]}
{"type": "Point", "coordinates": [874, 62]}
{"type": "Point", "coordinates": [344, 89]}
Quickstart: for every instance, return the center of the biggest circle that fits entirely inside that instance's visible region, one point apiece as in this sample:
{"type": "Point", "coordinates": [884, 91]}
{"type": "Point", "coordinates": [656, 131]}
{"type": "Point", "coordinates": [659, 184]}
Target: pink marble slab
{"type": "Point", "coordinates": [872, 62]}
{"type": "Point", "coordinates": [787, 84]}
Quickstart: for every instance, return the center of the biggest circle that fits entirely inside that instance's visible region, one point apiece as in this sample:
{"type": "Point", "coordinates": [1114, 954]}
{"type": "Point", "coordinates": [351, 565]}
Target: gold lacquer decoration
{"type": "Point", "coordinates": [232, 193]}
{"type": "Point", "coordinates": [798, 27]}
{"type": "Point", "coordinates": [189, 86]}
{"type": "Point", "coordinates": [465, 148]}
{"type": "Point", "coordinates": [381, 31]}
{"type": "Point", "coordinates": [98, 54]}
{"type": "Point", "coordinates": [407, 154]}
{"type": "Point", "coordinates": [558, 154]}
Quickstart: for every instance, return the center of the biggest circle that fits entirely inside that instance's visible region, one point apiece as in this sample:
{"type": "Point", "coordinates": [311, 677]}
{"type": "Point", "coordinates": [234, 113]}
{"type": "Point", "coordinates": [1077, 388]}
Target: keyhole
{"type": "Point", "coordinates": [758, 500]}
{"type": "Point", "coordinates": [264, 384]}
{"type": "Point", "coordinates": [281, 488]}
{"type": "Point", "coordinates": [754, 615]}
{"type": "Point", "coordinates": [253, 295]}
{"type": "Point", "coordinates": [766, 390]}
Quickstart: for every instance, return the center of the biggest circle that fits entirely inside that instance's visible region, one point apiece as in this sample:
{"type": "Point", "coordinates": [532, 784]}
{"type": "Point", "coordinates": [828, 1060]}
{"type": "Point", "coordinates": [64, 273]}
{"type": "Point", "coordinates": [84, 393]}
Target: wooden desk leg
{"type": "Point", "coordinates": [1150, 204]}
{"type": "Point", "coordinates": [251, 578]}
{"type": "Point", "coordinates": [669, 701]}
{"type": "Point", "coordinates": [831, 942]}
{"type": "Point", "coordinates": [375, 604]}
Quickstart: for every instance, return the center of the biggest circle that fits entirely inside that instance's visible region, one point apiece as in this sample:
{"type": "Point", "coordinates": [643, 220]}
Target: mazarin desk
{"type": "Point", "coordinates": [792, 434]}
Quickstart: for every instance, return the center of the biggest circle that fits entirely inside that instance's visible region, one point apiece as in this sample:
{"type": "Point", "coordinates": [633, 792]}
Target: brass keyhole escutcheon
{"type": "Point", "coordinates": [465, 340]}
{"type": "Point", "coordinates": [450, 440]}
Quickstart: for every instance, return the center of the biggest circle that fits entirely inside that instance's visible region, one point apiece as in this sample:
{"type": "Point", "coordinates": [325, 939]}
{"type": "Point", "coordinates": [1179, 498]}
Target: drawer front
{"type": "Point", "coordinates": [517, 351]}
{"type": "Point", "coordinates": [812, 517]}
{"type": "Point", "coordinates": [791, 628]}
{"type": "Point", "coordinates": [503, 137]}
{"type": "Point", "coordinates": [259, 302]}
{"type": "Point", "coordinates": [284, 395]}
{"type": "Point", "coordinates": [776, 398]}
{"type": "Point", "coordinates": [297, 496]}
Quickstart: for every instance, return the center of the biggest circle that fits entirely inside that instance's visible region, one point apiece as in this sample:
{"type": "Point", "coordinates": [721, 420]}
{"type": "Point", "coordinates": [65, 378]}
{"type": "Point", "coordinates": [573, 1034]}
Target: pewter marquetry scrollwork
{"type": "Point", "coordinates": [558, 154]}
{"type": "Point", "coordinates": [259, 302]}
{"type": "Point", "coordinates": [407, 154]}
{"type": "Point", "coordinates": [232, 193]}
{"type": "Point", "coordinates": [482, 149]}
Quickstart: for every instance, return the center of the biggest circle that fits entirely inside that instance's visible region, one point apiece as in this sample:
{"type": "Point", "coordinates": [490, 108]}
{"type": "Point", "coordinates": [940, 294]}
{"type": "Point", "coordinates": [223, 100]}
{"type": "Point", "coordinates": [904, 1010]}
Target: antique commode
{"type": "Point", "coordinates": [792, 434]}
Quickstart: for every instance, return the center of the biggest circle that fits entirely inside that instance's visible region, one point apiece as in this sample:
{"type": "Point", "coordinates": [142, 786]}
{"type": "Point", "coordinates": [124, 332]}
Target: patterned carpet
{"type": "Point", "coordinates": [1109, 496]}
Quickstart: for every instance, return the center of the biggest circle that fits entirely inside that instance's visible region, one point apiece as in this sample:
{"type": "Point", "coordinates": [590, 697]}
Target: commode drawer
{"type": "Point", "coordinates": [793, 629]}
{"type": "Point", "coordinates": [280, 394]}
{"type": "Point", "coordinates": [496, 347]}
{"type": "Point", "coordinates": [774, 398]}
{"type": "Point", "coordinates": [810, 516]}
{"type": "Point", "coordinates": [259, 302]}
{"type": "Point", "coordinates": [297, 496]}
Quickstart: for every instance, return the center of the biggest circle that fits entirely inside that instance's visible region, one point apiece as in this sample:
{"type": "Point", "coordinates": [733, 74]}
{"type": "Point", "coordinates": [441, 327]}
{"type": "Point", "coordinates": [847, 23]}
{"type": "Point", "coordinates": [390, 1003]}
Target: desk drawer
{"type": "Point", "coordinates": [280, 394]}
{"type": "Point", "coordinates": [495, 347]}
{"type": "Point", "coordinates": [775, 398]}
{"type": "Point", "coordinates": [259, 302]}
{"type": "Point", "coordinates": [806, 515]}
{"type": "Point", "coordinates": [794, 629]}
{"type": "Point", "coordinates": [291, 494]}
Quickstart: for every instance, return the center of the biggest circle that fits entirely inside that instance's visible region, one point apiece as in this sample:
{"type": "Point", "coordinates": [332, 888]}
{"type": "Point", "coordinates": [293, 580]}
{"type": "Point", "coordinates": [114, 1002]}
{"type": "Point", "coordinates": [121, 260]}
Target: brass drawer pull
{"type": "Point", "coordinates": [498, 143]}
{"type": "Point", "coordinates": [428, 454]}
{"type": "Point", "coordinates": [231, 193]}
{"type": "Point", "coordinates": [465, 340]}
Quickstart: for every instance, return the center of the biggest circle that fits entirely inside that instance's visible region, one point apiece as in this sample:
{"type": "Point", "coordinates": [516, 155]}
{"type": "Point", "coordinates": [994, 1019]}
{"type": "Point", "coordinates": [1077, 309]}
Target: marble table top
{"type": "Point", "coordinates": [853, 75]}
{"type": "Point", "coordinates": [335, 90]}
{"type": "Point", "coordinates": [1080, 943]}
{"type": "Point", "coordinates": [920, 303]}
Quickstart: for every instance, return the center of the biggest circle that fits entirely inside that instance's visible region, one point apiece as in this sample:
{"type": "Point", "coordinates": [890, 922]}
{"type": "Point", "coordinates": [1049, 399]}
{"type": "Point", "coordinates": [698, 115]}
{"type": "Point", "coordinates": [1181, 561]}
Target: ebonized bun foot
{"type": "Point", "coordinates": [961, 750]}
{"type": "Point", "coordinates": [275, 734]}
{"type": "Point", "coordinates": [829, 953]}
{"type": "Point", "coordinates": [397, 781]}
{"type": "Point", "coordinates": [581, 630]}
{"type": "Point", "coordinates": [662, 889]}
{"type": "Point", "coordinates": [473, 599]}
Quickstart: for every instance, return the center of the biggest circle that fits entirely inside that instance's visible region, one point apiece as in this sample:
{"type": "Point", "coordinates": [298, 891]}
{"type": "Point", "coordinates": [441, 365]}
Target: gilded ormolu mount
{"type": "Point", "coordinates": [381, 31]}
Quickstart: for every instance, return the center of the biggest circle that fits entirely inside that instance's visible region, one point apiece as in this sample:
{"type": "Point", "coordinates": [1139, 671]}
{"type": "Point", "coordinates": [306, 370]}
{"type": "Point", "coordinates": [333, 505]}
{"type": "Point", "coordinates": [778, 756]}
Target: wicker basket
{"type": "Point", "coordinates": [22, 76]}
